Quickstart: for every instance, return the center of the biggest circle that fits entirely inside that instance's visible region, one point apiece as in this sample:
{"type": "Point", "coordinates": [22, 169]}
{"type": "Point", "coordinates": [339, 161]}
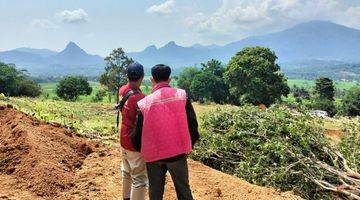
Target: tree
{"type": "Point", "coordinates": [324, 88]}
{"type": "Point", "coordinates": [351, 102]}
{"type": "Point", "coordinates": [115, 71]}
{"type": "Point", "coordinates": [30, 88]}
{"type": "Point", "coordinates": [185, 78]}
{"type": "Point", "coordinates": [254, 77]}
{"type": "Point", "coordinates": [209, 85]}
{"type": "Point", "coordinates": [325, 92]}
{"type": "Point", "coordinates": [300, 92]}
{"type": "Point", "coordinates": [214, 67]}
{"type": "Point", "coordinates": [15, 82]}
{"type": "Point", "coordinates": [71, 87]}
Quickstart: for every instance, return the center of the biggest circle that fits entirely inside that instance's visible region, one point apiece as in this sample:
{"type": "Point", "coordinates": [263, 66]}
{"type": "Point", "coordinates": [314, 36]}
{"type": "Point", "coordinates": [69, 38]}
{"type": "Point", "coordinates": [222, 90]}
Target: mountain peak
{"type": "Point", "coordinates": [151, 48]}
{"type": "Point", "coordinates": [72, 47]}
{"type": "Point", "coordinates": [171, 44]}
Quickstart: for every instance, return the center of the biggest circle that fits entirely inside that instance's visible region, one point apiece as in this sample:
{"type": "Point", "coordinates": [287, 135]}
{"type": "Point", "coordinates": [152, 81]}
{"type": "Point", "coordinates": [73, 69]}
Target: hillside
{"type": "Point", "coordinates": [41, 161]}
{"type": "Point", "coordinates": [321, 40]}
{"type": "Point", "coordinates": [44, 62]}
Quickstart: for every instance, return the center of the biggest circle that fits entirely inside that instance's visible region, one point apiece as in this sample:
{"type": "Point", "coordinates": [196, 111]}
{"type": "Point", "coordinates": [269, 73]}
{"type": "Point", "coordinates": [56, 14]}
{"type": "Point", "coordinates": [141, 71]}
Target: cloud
{"type": "Point", "coordinates": [352, 17]}
{"type": "Point", "coordinates": [73, 17]}
{"type": "Point", "coordinates": [164, 8]}
{"type": "Point", "coordinates": [43, 23]}
{"type": "Point", "coordinates": [249, 17]}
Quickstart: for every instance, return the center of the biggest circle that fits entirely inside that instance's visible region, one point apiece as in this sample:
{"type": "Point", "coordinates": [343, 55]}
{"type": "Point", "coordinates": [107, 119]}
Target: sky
{"type": "Point", "coordinates": [98, 26]}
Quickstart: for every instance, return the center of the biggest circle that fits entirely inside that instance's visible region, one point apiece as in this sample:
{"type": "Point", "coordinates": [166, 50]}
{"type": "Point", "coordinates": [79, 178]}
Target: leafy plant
{"type": "Point", "coordinates": [254, 77]}
{"type": "Point", "coordinates": [70, 88]}
{"type": "Point", "coordinates": [275, 147]}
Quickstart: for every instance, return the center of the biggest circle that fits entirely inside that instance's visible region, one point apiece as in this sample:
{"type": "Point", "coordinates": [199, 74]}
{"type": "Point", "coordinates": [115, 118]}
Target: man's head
{"type": "Point", "coordinates": [135, 72]}
{"type": "Point", "coordinates": [160, 73]}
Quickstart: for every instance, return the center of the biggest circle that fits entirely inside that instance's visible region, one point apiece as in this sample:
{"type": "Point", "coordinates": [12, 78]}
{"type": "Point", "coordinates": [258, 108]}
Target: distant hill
{"type": "Point", "coordinates": [320, 40]}
{"type": "Point", "coordinates": [44, 62]}
{"type": "Point", "coordinates": [303, 45]}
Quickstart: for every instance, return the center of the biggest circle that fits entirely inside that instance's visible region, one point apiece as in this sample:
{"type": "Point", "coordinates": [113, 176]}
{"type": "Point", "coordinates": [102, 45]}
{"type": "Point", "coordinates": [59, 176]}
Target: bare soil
{"type": "Point", "coordinates": [42, 161]}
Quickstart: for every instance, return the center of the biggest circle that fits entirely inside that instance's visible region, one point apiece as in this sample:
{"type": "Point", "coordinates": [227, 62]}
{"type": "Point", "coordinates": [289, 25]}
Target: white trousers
{"type": "Point", "coordinates": [134, 175]}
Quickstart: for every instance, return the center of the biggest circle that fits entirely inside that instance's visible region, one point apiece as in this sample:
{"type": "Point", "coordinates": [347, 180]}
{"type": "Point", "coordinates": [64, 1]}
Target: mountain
{"type": "Point", "coordinates": [314, 40]}
{"type": "Point", "coordinates": [39, 52]}
{"type": "Point", "coordinates": [43, 62]}
{"type": "Point", "coordinates": [304, 45]}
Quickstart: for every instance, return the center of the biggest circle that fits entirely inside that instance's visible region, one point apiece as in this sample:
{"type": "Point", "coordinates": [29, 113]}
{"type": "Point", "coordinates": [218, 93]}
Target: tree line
{"type": "Point", "coordinates": [252, 76]}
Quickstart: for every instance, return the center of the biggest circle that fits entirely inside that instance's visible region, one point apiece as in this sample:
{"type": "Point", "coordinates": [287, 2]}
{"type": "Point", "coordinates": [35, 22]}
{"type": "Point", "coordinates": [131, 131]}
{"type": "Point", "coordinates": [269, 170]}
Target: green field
{"type": "Point", "coordinates": [309, 84]}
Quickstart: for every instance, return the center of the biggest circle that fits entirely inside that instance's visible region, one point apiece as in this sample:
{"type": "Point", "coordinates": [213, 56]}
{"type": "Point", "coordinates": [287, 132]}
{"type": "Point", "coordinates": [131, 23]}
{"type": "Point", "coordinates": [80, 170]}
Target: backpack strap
{"type": "Point", "coordinates": [121, 104]}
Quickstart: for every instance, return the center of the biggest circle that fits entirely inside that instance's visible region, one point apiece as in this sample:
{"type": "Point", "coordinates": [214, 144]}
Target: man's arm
{"type": "Point", "coordinates": [137, 132]}
{"type": "Point", "coordinates": [192, 122]}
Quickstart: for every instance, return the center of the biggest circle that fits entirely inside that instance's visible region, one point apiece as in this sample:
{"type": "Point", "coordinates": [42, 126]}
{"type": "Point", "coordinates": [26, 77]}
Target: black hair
{"type": "Point", "coordinates": [133, 76]}
{"type": "Point", "coordinates": [161, 72]}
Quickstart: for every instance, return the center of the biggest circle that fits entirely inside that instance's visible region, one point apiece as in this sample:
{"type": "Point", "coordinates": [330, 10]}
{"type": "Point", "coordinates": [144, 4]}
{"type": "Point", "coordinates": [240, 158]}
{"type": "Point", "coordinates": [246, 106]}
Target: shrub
{"type": "Point", "coordinates": [70, 88]}
{"type": "Point", "coordinates": [273, 147]}
{"type": "Point", "coordinates": [326, 105]}
{"type": "Point", "coordinates": [99, 96]}
{"type": "Point", "coordinates": [351, 102]}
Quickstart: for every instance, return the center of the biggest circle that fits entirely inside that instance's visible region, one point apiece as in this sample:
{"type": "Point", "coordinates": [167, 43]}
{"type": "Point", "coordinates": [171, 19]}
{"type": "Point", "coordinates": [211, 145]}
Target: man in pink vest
{"type": "Point", "coordinates": [169, 131]}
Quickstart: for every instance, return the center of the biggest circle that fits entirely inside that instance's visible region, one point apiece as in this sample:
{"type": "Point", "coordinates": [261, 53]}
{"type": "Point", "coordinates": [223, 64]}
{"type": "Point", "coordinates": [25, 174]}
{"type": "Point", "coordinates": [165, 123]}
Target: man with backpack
{"type": "Point", "coordinates": [169, 131]}
{"type": "Point", "coordinates": [134, 176]}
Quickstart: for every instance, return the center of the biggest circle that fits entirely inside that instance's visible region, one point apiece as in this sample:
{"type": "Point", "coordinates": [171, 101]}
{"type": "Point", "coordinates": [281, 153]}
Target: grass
{"type": "Point", "coordinates": [310, 84]}
{"type": "Point", "coordinates": [91, 119]}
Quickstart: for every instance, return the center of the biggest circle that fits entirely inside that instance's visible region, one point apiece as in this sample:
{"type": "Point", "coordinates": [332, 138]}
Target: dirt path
{"type": "Point", "coordinates": [39, 161]}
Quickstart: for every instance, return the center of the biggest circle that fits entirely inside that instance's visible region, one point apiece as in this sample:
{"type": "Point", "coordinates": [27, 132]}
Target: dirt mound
{"type": "Point", "coordinates": [40, 158]}
{"type": "Point", "coordinates": [40, 161]}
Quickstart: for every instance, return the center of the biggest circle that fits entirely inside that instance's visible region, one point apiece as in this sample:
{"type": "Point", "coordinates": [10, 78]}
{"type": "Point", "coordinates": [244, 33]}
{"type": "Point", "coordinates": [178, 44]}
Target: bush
{"type": "Point", "coordinates": [351, 102]}
{"type": "Point", "coordinates": [29, 88]}
{"type": "Point", "coordinates": [272, 147]}
{"type": "Point", "coordinates": [350, 143]}
{"type": "Point", "coordinates": [99, 96]}
{"type": "Point", "coordinates": [326, 105]}
{"type": "Point", "coordinates": [72, 87]}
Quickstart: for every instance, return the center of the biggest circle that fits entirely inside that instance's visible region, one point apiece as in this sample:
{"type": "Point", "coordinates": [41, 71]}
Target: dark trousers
{"type": "Point", "coordinates": [179, 173]}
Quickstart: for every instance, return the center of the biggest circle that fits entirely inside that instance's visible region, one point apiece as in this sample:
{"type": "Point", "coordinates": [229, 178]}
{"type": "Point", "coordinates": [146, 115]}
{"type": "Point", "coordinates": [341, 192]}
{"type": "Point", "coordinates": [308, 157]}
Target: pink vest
{"type": "Point", "coordinates": [165, 129]}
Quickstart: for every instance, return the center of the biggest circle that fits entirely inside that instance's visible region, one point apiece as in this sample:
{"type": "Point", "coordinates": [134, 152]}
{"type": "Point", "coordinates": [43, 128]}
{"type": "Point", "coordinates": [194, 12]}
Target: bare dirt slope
{"type": "Point", "coordinates": [40, 161]}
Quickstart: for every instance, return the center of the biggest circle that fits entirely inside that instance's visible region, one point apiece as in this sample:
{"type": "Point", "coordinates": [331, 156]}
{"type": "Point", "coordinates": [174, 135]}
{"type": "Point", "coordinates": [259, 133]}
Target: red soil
{"type": "Point", "coordinates": [40, 161]}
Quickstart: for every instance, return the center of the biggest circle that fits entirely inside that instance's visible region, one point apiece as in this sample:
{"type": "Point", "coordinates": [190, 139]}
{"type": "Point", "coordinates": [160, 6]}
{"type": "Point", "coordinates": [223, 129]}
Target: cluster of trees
{"type": "Point", "coordinates": [323, 98]}
{"type": "Point", "coordinates": [15, 82]}
{"type": "Point", "coordinates": [252, 76]}
{"type": "Point", "coordinates": [206, 84]}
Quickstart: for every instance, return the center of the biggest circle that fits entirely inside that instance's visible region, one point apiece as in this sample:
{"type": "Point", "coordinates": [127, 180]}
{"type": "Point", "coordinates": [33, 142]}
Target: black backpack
{"type": "Point", "coordinates": [135, 134]}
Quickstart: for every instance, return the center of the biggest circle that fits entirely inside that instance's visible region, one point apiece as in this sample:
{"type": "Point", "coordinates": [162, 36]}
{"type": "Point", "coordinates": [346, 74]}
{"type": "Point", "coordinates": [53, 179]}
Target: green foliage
{"type": "Point", "coordinates": [185, 78]}
{"type": "Point", "coordinates": [71, 87]}
{"type": "Point", "coordinates": [324, 104]}
{"type": "Point", "coordinates": [16, 83]}
{"type": "Point", "coordinates": [28, 87]}
{"type": "Point", "coordinates": [255, 78]}
{"type": "Point", "coordinates": [350, 143]}
{"type": "Point", "coordinates": [115, 74]}
{"type": "Point", "coordinates": [272, 147]}
{"type": "Point", "coordinates": [209, 85]}
{"type": "Point", "coordinates": [90, 119]}
{"type": "Point", "coordinates": [324, 88]}
{"type": "Point", "coordinates": [300, 92]}
{"type": "Point", "coordinates": [351, 102]}
{"type": "Point", "coordinates": [99, 96]}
